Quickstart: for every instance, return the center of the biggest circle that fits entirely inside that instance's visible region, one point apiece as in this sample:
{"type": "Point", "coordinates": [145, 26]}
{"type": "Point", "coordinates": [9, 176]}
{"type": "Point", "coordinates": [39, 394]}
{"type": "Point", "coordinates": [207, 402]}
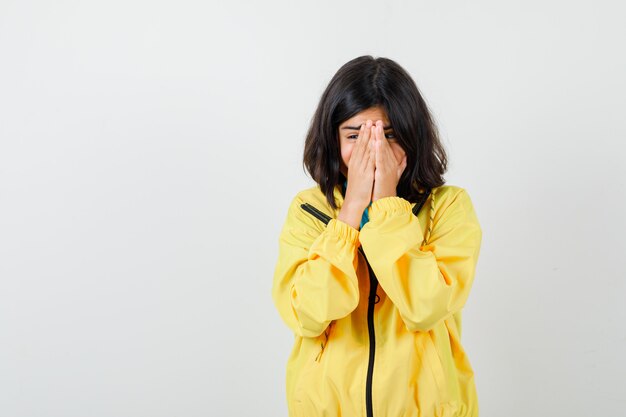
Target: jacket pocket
{"type": "Point", "coordinates": [432, 361]}
{"type": "Point", "coordinates": [310, 371]}
{"type": "Point", "coordinates": [297, 409]}
{"type": "Point", "coordinates": [323, 343]}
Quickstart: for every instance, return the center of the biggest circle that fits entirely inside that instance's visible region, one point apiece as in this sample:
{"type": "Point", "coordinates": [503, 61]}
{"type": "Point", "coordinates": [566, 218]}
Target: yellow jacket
{"type": "Point", "coordinates": [381, 339]}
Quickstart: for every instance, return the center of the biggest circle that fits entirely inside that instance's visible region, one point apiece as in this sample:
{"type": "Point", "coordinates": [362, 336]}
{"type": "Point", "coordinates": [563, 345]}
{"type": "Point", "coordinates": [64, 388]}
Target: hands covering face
{"type": "Point", "coordinates": [373, 170]}
{"type": "Point", "coordinates": [388, 168]}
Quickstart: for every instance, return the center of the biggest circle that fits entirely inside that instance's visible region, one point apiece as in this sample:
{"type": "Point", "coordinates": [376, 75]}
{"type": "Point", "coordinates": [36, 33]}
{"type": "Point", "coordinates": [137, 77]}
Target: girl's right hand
{"type": "Point", "coordinates": [361, 168]}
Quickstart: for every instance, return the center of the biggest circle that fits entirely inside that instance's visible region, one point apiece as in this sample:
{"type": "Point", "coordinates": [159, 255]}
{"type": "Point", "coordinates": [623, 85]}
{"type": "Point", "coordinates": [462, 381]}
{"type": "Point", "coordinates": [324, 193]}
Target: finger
{"type": "Point", "coordinates": [362, 149]}
{"type": "Point", "coordinates": [379, 156]}
{"type": "Point", "coordinates": [371, 163]}
{"type": "Point", "coordinates": [366, 127]}
{"type": "Point", "coordinates": [389, 155]}
{"type": "Point", "coordinates": [368, 135]}
{"type": "Point", "coordinates": [380, 134]}
{"type": "Point", "coordinates": [373, 141]}
{"type": "Point", "coordinates": [359, 139]}
{"type": "Point", "coordinates": [358, 146]}
{"type": "Point", "coordinates": [362, 141]}
{"type": "Point", "coordinates": [377, 130]}
{"type": "Point", "coordinates": [366, 140]}
{"type": "Point", "coordinates": [383, 148]}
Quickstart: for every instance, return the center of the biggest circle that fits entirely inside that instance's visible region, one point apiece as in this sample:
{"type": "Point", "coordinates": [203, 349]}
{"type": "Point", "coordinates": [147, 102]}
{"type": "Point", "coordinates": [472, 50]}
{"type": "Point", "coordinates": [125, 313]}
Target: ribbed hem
{"type": "Point", "coordinates": [343, 230]}
{"type": "Point", "coordinates": [389, 205]}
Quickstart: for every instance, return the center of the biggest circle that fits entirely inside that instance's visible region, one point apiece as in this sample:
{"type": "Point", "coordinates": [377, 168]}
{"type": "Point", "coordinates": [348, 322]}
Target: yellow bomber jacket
{"type": "Point", "coordinates": [376, 313]}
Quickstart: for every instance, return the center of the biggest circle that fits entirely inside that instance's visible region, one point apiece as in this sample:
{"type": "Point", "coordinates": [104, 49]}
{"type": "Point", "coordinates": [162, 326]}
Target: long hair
{"type": "Point", "coordinates": [360, 84]}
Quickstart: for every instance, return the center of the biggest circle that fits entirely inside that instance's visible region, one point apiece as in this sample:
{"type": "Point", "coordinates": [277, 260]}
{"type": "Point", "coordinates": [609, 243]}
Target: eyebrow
{"type": "Point", "coordinates": [359, 127]}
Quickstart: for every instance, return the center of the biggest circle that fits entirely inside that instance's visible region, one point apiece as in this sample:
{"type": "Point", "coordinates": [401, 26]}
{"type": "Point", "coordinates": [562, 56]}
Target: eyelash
{"type": "Point", "coordinates": [386, 135]}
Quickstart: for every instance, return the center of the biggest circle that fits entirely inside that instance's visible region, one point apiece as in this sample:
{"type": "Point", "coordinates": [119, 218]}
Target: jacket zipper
{"type": "Point", "coordinates": [371, 303]}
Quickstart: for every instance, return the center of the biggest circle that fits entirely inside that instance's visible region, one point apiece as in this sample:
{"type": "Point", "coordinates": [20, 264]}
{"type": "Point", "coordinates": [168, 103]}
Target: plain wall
{"type": "Point", "coordinates": [149, 151]}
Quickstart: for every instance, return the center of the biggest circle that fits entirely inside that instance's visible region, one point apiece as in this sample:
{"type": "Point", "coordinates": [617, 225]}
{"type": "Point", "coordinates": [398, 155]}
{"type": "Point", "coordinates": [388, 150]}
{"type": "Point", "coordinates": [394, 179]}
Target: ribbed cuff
{"type": "Point", "coordinates": [343, 230]}
{"type": "Point", "coordinates": [389, 205]}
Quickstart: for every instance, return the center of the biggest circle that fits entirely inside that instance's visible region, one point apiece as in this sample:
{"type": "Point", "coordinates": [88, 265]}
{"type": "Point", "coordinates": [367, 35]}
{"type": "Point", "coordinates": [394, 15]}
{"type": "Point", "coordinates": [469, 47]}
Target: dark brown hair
{"type": "Point", "coordinates": [360, 84]}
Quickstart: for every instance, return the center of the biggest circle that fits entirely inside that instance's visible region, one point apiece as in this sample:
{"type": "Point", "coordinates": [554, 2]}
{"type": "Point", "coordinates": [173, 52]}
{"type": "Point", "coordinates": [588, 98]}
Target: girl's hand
{"type": "Point", "coordinates": [361, 169]}
{"type": "Point", "coordinates": [388, 168]}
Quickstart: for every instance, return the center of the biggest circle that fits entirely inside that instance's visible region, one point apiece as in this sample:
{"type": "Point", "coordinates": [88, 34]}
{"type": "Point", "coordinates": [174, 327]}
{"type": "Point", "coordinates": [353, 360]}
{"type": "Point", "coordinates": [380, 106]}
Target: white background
{"type": "Point", "coordinates": [149, 151]}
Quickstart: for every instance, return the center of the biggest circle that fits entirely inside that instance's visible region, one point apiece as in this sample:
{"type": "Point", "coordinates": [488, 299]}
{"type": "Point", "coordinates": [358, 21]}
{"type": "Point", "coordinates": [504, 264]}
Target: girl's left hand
{"type": "Point", "coordinates": [388, 168]}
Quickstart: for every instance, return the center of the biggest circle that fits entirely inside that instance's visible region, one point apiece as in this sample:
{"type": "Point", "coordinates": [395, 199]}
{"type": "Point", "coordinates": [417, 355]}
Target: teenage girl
{"type": "Point", "coordinates": [376, 261]}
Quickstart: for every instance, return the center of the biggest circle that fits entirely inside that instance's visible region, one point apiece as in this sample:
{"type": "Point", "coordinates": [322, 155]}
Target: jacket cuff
{"type": "Point", "coordinates": [343, 230]}
{"type": "Point", "coordinates": [389, 205]}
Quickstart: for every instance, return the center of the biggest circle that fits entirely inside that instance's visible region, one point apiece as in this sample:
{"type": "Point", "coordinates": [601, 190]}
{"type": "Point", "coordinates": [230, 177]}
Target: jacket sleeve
{"type": "Point", "coordinates": [315, 278]}
{"type": "Point", "coordinates": [426, 284]}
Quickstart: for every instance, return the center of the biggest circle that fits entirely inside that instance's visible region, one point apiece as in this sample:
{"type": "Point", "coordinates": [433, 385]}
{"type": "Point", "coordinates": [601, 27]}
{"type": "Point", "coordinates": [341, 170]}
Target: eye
{"type": "Point", "coordinates": [387, 135]}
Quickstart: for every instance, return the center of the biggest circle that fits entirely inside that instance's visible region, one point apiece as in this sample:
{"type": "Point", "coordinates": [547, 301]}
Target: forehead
{"type": "Point", "coordinates": [373, 114]}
